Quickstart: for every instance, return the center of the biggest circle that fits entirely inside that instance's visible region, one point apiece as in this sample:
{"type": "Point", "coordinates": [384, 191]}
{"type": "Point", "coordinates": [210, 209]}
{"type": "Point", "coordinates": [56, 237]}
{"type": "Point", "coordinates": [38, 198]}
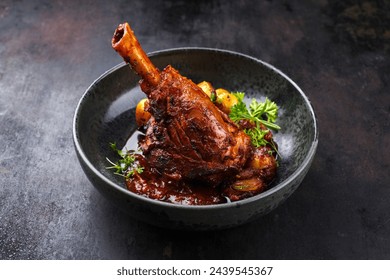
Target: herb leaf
{"type": "Point", "coordinates": [127, 165]}
{"type": "Point", "coordinates": [256, 112]}
{"type": "Point", "coordinates": [264, 113]}
{"type": "Point", "coordinates": [257, 136]}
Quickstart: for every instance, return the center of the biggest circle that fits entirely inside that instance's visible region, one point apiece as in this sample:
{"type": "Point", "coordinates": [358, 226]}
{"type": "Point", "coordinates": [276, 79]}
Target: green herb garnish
{"type": "Point", "coordinates": [127, 165]}
{"type": "Point", "coordinates": [257, 136]}
{"type": "Point", "coordinates": [264, 113]}
{"type": "Point", "coordinates": [259, 112]}
{"type": "Point", "coordinates": [213, 97]}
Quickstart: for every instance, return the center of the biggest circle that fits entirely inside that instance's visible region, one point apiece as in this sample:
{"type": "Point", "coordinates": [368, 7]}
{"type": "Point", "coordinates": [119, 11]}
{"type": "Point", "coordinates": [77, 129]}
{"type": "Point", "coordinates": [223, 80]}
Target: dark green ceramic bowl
{"type": "Point", "coordinates": [106, 113]}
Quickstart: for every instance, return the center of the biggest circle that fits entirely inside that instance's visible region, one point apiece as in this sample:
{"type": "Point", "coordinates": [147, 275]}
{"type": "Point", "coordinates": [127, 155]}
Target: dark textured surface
{"type": "Point", "coordinates": [51, 51]}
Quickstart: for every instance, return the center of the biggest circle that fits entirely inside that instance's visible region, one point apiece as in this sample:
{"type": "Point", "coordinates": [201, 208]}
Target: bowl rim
{"type": "Point", "coordinates": [307, 160]}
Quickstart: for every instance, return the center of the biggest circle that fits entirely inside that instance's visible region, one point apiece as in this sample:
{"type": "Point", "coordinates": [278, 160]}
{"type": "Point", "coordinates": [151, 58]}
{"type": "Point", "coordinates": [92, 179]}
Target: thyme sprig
{"type": "Point", "coordinates": [127, 166]}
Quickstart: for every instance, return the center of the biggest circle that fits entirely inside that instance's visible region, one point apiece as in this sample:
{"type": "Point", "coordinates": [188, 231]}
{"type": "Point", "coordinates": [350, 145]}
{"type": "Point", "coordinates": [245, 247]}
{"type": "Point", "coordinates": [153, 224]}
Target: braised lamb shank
{"type": "Point", "coordinates": [188, 139]}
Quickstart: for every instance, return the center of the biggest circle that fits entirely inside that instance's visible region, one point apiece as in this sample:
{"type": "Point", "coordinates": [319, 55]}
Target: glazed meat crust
{"type": "Point", "coordinates": [188, 136]}
{"type": "Point", "coordinates": [192, 152]}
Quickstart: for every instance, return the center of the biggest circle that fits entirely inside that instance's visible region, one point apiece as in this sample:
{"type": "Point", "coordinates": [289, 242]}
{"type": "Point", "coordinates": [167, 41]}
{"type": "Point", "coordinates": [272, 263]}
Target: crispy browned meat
{"type": "Point", "coordinates": [188, 137]}
{"type": "Point", "coordinates": [192, 152]}
{"type": "Point", "coordinates": [255, 177]}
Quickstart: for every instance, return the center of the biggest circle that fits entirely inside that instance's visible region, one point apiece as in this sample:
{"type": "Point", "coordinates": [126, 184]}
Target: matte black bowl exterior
{"type": "Point", "coordinates": [106, 113]}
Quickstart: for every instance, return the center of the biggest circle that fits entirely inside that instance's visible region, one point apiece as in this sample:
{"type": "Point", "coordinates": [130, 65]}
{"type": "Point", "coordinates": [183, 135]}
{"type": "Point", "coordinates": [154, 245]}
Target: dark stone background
{"type": "Point", "coordinates": [337, 51]}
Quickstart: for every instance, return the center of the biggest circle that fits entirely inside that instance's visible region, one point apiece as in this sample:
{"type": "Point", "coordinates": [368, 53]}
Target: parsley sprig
{"type": "Point", "coordinates": [257, 136]}
{"type": "Point", "coordinates": [127, 165]}
{"type": "Point", "coordinates": [257, 111]}
{"type": "Point", "coordinates": [264, 113]}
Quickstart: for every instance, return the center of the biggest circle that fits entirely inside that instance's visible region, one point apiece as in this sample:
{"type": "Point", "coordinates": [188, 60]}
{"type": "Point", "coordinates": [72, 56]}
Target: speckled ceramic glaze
{"type": "Point", "coordinates": [106, 113]}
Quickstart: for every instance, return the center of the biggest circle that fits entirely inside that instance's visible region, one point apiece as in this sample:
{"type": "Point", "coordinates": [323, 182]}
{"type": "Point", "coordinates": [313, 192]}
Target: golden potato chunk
{"type": "Point", "coordinates": [262, 159]}
{"type": "Point", "coordinates": [225, 99]}
{"type": "Point", "coordinates": [141, 115]}
{"type": "Point", "coordinates": [207, 88]}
